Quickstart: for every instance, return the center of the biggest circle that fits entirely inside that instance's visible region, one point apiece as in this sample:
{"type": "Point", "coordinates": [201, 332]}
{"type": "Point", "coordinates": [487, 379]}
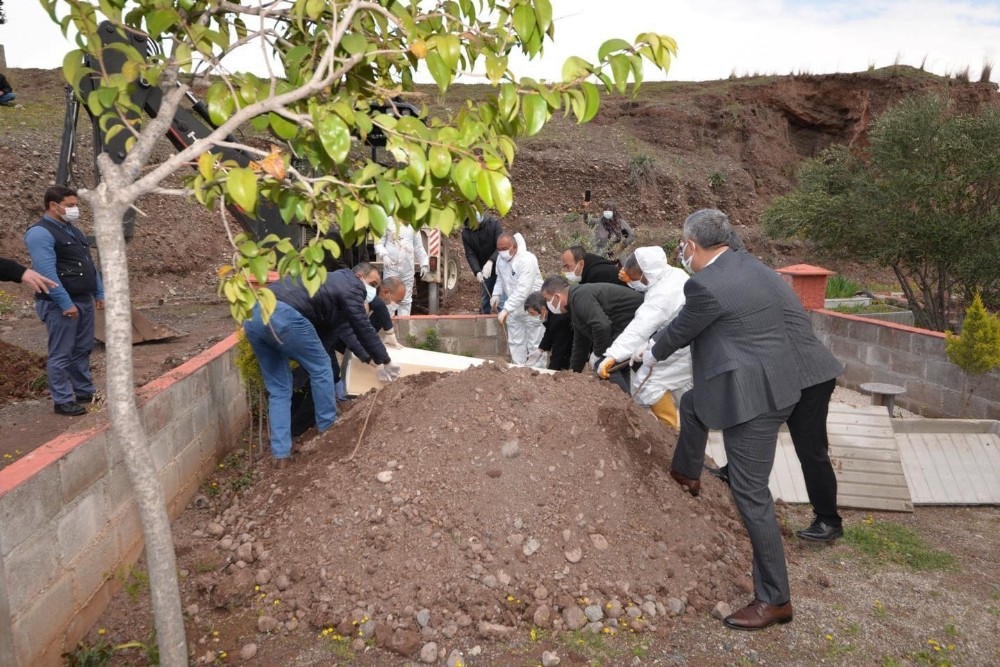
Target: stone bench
{"type": "Point", "coordinates": [883, 393]}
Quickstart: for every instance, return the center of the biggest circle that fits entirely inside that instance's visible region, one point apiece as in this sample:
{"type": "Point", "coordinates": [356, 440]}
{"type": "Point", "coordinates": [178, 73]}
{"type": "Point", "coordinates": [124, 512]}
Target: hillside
{"type": "Point", "coordinates": [731, 144]}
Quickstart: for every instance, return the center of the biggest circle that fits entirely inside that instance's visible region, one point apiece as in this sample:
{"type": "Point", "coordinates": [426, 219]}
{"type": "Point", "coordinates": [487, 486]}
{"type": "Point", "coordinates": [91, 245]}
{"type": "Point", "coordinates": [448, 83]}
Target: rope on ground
{"type": "Point", "coordinates": [350, 458]}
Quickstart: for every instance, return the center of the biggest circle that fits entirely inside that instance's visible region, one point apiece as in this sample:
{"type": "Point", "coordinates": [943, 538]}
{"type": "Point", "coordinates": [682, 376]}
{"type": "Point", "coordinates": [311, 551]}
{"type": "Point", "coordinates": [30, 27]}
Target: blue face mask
{"type": "Point", "coordinates": [369, 293]}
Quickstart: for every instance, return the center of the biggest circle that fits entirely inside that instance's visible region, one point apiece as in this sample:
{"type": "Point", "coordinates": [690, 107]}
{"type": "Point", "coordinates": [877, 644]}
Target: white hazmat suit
{"type": "Point", "coordinates": [664, 298]}
{"type": "Point", "coordinates": [516, 279]}
{"type": "Point", "coordinates": [399, 250]}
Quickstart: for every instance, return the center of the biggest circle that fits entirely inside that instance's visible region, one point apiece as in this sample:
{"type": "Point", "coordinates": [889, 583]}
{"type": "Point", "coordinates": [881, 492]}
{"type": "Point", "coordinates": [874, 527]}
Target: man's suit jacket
{"type": "Point", "coordinates": [743, 360]}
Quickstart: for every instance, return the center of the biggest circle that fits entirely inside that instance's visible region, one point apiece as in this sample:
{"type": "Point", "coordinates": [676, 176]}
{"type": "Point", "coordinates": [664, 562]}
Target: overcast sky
{"type": "Point", "coordinates": [715, 37]}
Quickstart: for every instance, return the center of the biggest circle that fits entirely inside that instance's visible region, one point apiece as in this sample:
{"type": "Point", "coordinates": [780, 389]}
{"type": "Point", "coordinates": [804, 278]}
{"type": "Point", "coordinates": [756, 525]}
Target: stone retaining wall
{"type": "Point", "coordinates": [469, 335]}
{"type": "Point", "coordinates": [69, 525]}
{"type": "Point", "coordinates": [876, 351]}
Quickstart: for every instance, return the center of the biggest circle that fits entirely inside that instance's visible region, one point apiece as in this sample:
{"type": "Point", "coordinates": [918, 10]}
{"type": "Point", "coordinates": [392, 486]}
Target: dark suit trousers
{"type": "Point", "coordinates": [807, 426]}
{"type": "Point", "coordinates": [750, 450]}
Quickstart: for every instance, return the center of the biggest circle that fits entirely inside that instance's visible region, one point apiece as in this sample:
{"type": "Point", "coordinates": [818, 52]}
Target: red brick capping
{"type": "Point", "coordinates": [883, 323]}
{"type": "Point", "coordinates": [808, 282]}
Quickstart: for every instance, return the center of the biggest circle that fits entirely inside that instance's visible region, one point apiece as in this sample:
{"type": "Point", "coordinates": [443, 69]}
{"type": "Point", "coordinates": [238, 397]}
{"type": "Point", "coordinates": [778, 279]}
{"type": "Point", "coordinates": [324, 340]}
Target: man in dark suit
{"type": "Point", "coordinates": [580, 266]}
{"type": "Point", "coordinates": [746, 383]}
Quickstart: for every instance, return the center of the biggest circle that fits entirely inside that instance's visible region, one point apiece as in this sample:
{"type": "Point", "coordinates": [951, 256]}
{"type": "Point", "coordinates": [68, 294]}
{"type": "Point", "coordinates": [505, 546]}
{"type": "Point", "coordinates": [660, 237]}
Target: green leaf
{"type": "Point", "coordinates": [439, 160]}
{"type": "Point", "coordinates": [354, 43]}
{"type": "Point", "coordinates": [206, 166]}
{"type": "Point", "coordinates": [220, 103]}
{"type": "Point", "coordinates": [536, 112]}
{"type": "Point", "coordinates": [438, 70]}
{"type": "Point", "coordinates": [449, 46]}
{"type": "Point", "coordinates": [417, 163]}
{"type": "Point", "coordinates": [543, 14]}
{"type": "Point", "coordinates": [524, 23]}
{"type": "Point", "coordinates": [620, 68]}
{"type": "Point", "coordinates": [159, 21]}
{"type": "Point", "coordinates": [282, 127]}
{"type": "Point", "coordinates": [241, 185]}
{"type": "Point", "coordinates": [592, 101]}
{"type": "Point", "coordinates": [377, 219]}
{"type": "Point", "coordinates": [610, 46]}
{"type": "Point", "coordinates": [465, 176]}
{"type": "Point", "coordinates": [496, 67]}
{"type": "Point", "coordinates": [484, 187]}
{"type": "Point", "coordinates": [314, 8]}
{"type": "Point", "coordinates": [508, 101]}
{"type": "Point", "coordinates": [404, 195]}
{"type": "Point", "coordinates": [334, 136]}
{"type": "Point", "coordinates": [386, 195]}
{"type": "Point", "coordinates": [501, 191]}
{"type": "Point", "coordinates": [574, 68]}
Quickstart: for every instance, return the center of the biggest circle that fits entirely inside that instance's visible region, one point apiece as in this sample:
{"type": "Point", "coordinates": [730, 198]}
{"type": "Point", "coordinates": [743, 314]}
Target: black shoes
{"type": "Point", "coordinates": [820, 531]}
{"type": "Point", "coordinates": [719, 473]}
{"type": "Point", "coordinates": [69, 409]}
{"type": "Point", "coordinates": [84, 398]}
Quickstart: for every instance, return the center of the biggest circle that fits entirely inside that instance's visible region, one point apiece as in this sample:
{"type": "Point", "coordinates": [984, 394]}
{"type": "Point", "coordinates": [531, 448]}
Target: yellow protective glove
{"type": "Point", "coordinates": [604, 370]}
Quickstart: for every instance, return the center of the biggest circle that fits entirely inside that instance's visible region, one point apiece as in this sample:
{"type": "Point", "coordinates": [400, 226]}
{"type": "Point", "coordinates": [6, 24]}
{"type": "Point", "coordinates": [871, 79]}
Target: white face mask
{"type": "Point", "coordinates": [479, 216]}
{"type": "Point", "coordinates": [552, 305]}
{"type": "Point", "coordinates": [608, 215]}
{"type": "Point", "coordinates": [505, 255]}
{"type": "Point", "coordinates": [686, 261]}
{"type": "Point", "coordinates": [71, 213]}
{"type": "Point", "coordinates": [572, 277]}
{"type": "Point", "coordinates": [638, 286]}
{"type": "Point", "coordinates": [369, 293]}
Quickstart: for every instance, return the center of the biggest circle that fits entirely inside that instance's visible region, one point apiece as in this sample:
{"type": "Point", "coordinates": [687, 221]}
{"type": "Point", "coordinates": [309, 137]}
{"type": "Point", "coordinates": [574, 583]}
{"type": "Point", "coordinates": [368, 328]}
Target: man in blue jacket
{"type": "Point", "coordinates": [297, 330]}
{"type": "Point", "coordinates": [60, 252]}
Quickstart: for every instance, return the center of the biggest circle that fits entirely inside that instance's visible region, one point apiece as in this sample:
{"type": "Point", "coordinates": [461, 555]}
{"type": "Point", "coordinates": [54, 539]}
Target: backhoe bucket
{"type": "Point", "coordinates": [143, 329]}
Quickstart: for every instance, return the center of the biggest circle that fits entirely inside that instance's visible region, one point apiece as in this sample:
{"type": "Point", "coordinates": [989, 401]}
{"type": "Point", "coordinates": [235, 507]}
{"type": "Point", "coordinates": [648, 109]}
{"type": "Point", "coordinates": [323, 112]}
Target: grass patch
{"type": "Point", "coordinates": [430, 342]}
{"type": "Point", "coordinates": [841, 287]}
{"type": "Point", "coordinates": [613, 646]}
{"type": "Point", "coordinates": [888, 542]}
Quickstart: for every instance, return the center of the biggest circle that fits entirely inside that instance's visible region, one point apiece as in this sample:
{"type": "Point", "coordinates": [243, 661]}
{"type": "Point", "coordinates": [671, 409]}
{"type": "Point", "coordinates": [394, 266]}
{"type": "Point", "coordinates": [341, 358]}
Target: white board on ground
{"type": "Point", "coordinates": [359, 377]}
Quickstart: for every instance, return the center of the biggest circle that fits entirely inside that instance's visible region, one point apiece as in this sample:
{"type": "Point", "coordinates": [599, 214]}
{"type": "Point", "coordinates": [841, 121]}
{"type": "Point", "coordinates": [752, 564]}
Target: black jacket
{"type": "Point", "coordinates": [340, 300]}
{"type": "Point", "coordinates": [481, 244]}
{"type": "Point", "coordinates": [597, 269]}
{"type": "Point", "coordinates": [557, 341]}
{"type": "Point", "coordinates": [599, 313]}
{"type": "Point", "coordinates": [10, 270]}
{"type": "Point", "coordinates": [5, 86]}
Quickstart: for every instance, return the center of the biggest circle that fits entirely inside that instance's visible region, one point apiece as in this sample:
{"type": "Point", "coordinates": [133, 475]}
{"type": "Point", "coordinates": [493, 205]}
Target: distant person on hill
{"type": "Point", "coordinates": [6, 92]}
{"type": "Point", "coordinates": [480, 243]}
{"type": "Point", "coordinates": [13, 272]}
{"type": "Point", "coordinates": [612, 235]}
{"type": "Point", "coordinates": [582, 267]}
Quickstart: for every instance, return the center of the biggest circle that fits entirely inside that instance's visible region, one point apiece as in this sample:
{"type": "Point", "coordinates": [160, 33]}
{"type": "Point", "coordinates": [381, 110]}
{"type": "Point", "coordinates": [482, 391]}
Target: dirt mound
{"type": "Point", "coordinates": [23, 374]}
{"type": "Point", "coordinates": [478, 503]}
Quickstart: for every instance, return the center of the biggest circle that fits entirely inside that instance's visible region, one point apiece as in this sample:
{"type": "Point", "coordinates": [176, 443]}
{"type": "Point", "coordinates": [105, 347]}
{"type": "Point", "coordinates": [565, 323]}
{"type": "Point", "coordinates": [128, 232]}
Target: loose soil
{"type": "Point", "coordinates": [487, 513]}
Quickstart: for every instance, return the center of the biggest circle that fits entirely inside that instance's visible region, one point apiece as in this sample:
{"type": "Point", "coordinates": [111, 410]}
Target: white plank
{"type": "Point", "coordinates": [952, 468]}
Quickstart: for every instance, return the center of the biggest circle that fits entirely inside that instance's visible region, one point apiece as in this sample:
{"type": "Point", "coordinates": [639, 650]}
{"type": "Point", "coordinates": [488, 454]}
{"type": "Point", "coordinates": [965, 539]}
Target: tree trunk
{"type": "Point", "coordinates": [127, 431]}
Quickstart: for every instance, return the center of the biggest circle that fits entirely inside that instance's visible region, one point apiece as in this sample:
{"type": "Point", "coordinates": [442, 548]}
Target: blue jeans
{"type": "Point", "coordinates": [7, 97]}
{"type": "Point", "coordinates": [289, 335]}
{"type": "Point", "coordinates": [71, 340]}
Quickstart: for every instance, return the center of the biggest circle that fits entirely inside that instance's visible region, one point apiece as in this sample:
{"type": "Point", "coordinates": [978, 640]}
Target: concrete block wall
{"type": "Point", "coordinates": [469, 335]}
{"type": "Point", "coordinates": [68, 518]}
{"type": "Point", "coordinates": [878, 351]}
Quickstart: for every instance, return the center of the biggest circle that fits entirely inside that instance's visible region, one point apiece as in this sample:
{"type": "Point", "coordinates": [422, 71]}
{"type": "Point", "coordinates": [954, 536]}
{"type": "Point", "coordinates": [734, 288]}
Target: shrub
{"type": "Point", "coordinates": [642, 171]}
{"type": "Point", "coordinates": [716, 179]}
{"type": "Point", "coordinates": [977, 349]}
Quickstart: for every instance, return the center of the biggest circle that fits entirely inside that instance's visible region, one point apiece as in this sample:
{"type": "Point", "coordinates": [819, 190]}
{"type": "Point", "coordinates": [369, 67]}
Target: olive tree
{"type": "Point", "coordinates": [333, 59]}
{"type": "Point", "coordinates": [922, 199]}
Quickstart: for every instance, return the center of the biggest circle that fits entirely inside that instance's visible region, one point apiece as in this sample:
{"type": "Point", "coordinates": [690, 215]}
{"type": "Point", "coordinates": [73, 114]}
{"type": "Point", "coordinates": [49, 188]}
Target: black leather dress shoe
{"type": "Point", "coordinates": [84, 398]}
{"type": "Point", "coordinates": [719, 473]}
{"type": "Point", "coordinates": [69, 409]}
{"type": "Point", "coordinates": [759, 615]}
{"type": "Point", "coordinates": [820, 531]}
{"type": "Point", "coordinates": [693, 486]}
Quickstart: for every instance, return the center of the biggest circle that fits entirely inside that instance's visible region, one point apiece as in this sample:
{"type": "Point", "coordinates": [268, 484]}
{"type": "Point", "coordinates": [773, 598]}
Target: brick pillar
{"type": "Point", "coordinates": [808, 282]}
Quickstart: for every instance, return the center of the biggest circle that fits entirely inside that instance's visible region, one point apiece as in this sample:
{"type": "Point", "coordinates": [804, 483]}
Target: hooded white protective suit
{"type": "Point", "coordinates": [516, 279]}
{"type": "Point", "coordinates": [663, 300]}
{"type": "Point", "coordinates": [399, 250]}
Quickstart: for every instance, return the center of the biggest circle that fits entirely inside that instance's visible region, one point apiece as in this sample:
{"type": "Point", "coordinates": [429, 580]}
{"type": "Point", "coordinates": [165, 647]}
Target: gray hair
{"type": "Point", "coordinates": [708, 228]}
{"type": "Point", "coordinates": [391, 284]}
{"type": "Point", "coordinates": [534, 301]}
{"type": "Point", "coordinates": [735, 242]}
{"type": "Point", "coordinates": [554, 284]}
{"type": "Point", "coordinates": [508, 237]}
{"type": "Point", "coordinates": [363, 268]}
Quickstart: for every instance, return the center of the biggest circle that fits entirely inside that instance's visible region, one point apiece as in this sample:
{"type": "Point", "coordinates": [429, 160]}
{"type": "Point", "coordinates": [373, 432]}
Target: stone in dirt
{"type": "Point", "coordinates": [721, 610]}
{"type": "Point", "coordinates": [248, 651]}
{"type": "Point", "coordinates": [404, 642]}
{"type": "Point", "coordinates": [550, 659]}
{"type": "Point", "coordinates": [574, 618]}
{"type": "Point", "coordinates": [429, 653]}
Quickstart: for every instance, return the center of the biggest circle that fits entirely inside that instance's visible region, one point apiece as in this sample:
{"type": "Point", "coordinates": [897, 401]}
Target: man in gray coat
{"type": "Point", "coordinates": [746, 384]}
